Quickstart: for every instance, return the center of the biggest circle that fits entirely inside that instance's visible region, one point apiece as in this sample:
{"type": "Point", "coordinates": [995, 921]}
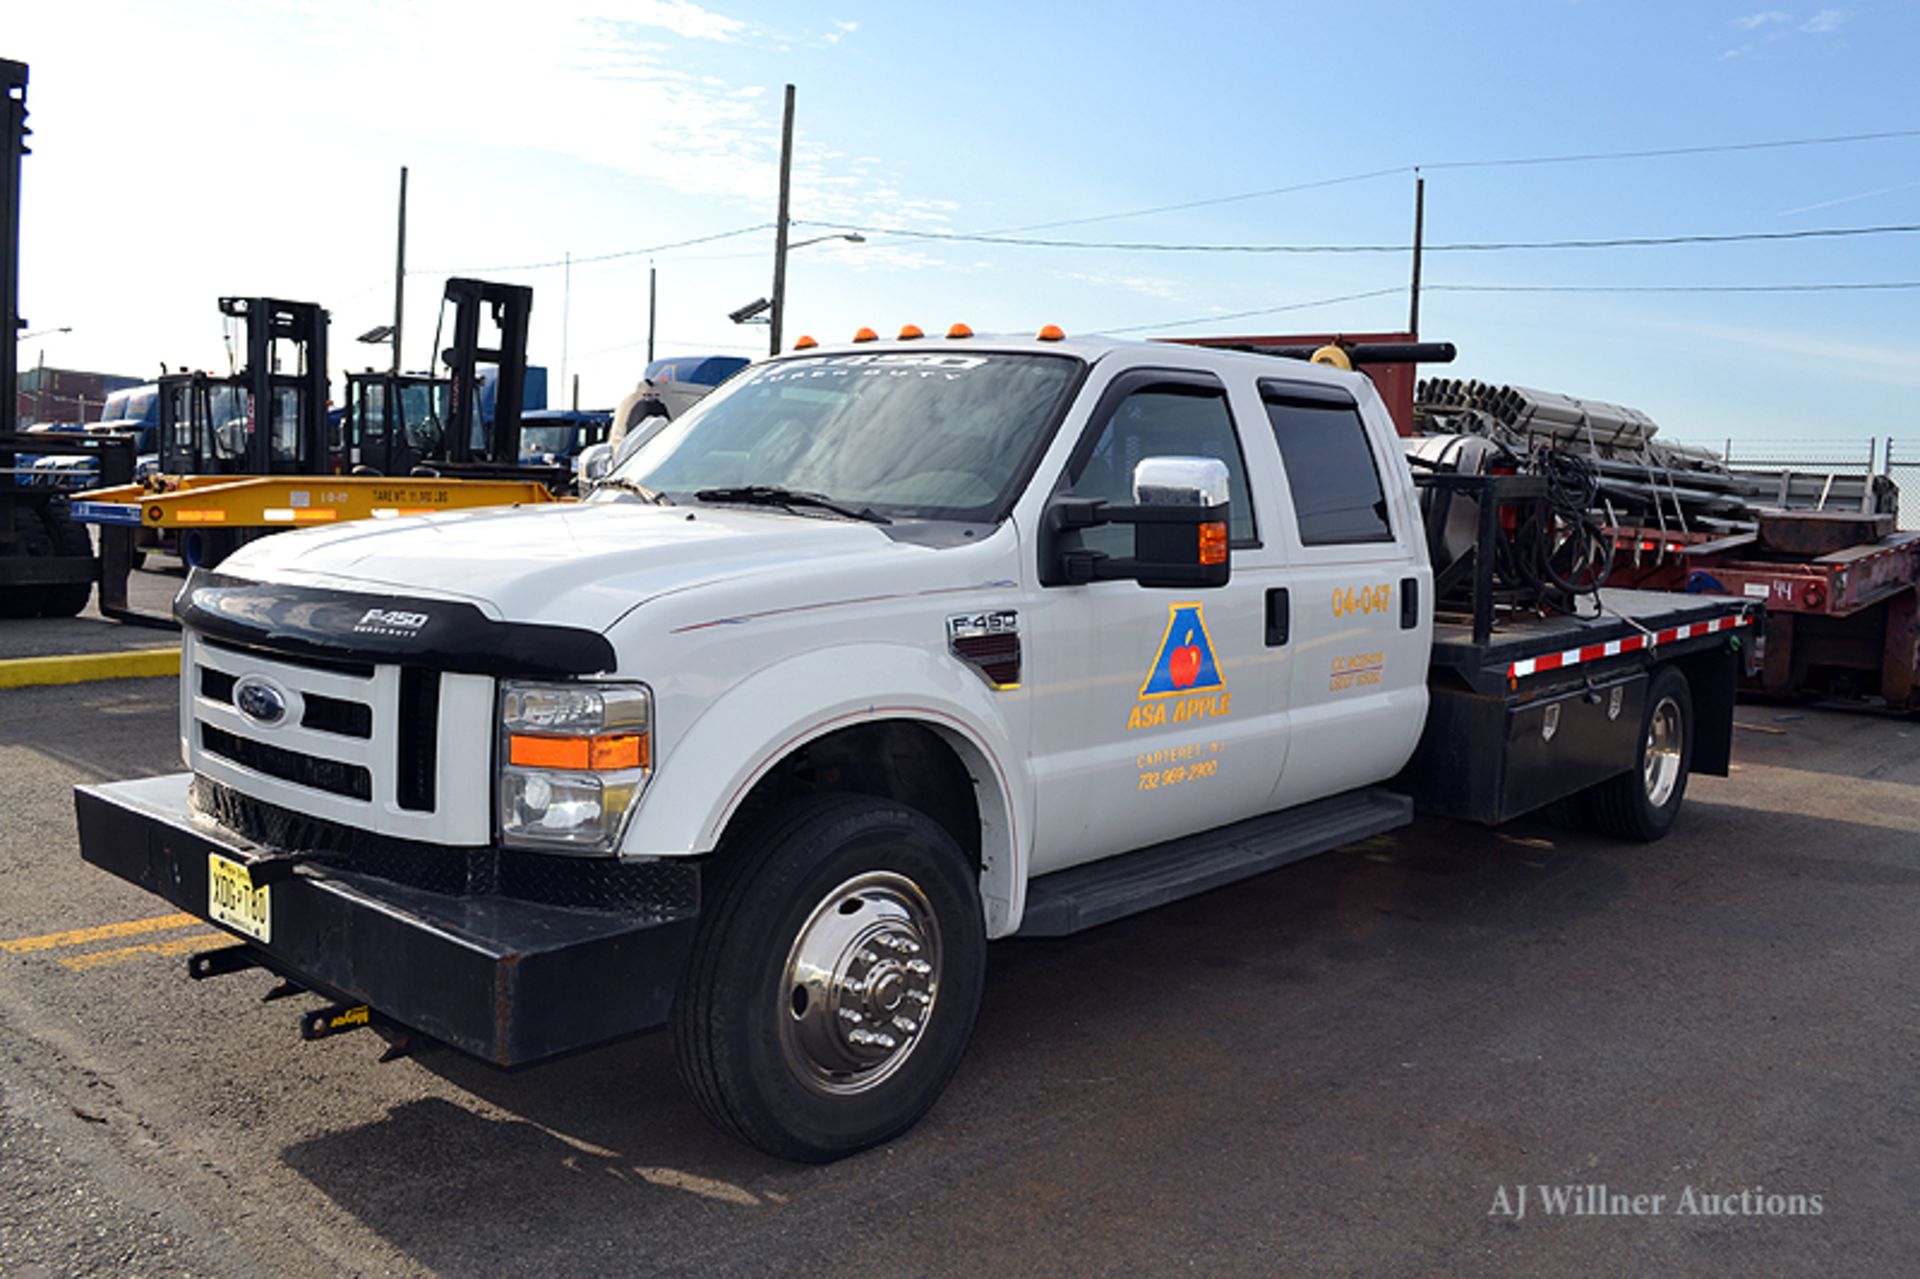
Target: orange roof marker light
{"type": "Point", "coordinates": [1051, 333]}
{"type": "Point", "coordinates": [866, 335]}
{"type": "Point", "coordinates": [959, 331]}
{"type": "Point", "coordinates": [805, 343]}
{"type": "Point", "coordinates": [910, 331]}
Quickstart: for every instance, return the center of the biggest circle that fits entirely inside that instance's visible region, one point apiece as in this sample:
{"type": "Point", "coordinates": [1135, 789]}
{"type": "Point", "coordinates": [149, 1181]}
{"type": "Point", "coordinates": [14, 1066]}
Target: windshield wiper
{"type": "Point", "coordinates": [636, 488]}
{"type": "Point", "coordinates": [771, 495]}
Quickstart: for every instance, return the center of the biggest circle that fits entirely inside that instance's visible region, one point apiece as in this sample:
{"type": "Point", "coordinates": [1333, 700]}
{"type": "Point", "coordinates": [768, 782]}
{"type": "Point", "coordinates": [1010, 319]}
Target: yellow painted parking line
{"type": "Point", "coordinates": [82, 668]}
{"type": "Point", "coordinates": [177, 946]}
{"type": "Point", "coordinates": [81, 936]}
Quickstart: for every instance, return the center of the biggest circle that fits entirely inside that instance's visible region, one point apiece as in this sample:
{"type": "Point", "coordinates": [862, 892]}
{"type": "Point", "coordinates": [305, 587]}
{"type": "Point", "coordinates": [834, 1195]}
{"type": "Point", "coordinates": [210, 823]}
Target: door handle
{"type": "Point", "coordinates": [1409, 603]}
{"type": "Point", "coordinates": [1279, 616]}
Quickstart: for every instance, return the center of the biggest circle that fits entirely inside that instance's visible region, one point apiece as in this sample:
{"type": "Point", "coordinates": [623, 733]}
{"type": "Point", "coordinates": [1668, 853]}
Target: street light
{"type": "Point", "coordinates": [779, 305]}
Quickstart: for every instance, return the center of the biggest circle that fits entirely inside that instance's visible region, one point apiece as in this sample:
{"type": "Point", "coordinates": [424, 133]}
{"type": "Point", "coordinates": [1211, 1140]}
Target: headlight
{"type": "Point", "coordinates": [573, 760]}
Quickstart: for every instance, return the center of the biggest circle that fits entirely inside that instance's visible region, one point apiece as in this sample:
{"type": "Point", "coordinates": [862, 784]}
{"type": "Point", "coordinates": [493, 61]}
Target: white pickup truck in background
{"type": "Point", "coordinates": [874, 655]}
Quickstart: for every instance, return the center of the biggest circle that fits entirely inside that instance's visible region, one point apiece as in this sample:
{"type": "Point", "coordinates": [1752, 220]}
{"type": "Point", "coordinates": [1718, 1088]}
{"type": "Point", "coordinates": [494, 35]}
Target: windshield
{"type": "Point", "coordinates": [931, 435]}
{"type": "Point", "coordinates": [554, 437]}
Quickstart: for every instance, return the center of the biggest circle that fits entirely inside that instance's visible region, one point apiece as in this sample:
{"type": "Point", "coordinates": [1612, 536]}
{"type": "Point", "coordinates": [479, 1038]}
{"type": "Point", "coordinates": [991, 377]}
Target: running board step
{"type": "Point", "coordinates": [1082, 897]}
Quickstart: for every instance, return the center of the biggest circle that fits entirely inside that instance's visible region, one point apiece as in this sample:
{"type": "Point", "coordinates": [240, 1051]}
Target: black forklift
{"type": "Point", "coordinates": [270, 417]}
{"type": "Point", "coordinates": [421, 424]}
{"type": "Point", "coordinates": [47, 563]}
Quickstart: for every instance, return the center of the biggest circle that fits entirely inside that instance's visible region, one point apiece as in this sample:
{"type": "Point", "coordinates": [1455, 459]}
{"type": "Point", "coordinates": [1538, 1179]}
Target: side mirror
{"type": "Point", "coordinates": [1180, 517]}
{"type": "Point", "coordinates": [594, 464]}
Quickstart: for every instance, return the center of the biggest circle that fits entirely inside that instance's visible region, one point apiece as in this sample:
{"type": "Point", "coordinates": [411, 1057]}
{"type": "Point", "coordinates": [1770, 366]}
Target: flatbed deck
{"type": "Point", "coordinates": [1525, 646]}
{"type": "Point", "coordinates": [1547, 707]}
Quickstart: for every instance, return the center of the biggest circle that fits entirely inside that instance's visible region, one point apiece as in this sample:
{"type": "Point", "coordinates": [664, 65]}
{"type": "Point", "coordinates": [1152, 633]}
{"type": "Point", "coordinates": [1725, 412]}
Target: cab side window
{"type": "Point", "coordinates": [1331, 472]}
{"type": "Point", "coordinates": [1165, 420]}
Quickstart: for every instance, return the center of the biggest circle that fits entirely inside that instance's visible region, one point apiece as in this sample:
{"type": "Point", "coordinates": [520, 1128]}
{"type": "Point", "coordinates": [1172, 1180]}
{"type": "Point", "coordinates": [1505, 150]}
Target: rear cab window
{"type": "Point", "coordinates": [1332, 473]}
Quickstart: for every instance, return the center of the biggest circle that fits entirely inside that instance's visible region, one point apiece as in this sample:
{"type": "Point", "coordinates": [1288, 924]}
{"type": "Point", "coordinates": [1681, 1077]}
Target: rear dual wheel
{"type": "Point", "coordinates": [834, 980]}
{"type": "Point", "coordinates": [1642, 804]}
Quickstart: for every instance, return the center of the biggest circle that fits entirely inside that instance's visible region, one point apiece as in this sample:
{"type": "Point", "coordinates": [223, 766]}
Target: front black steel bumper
{"type": "Point", "coordinates": [506, 979]}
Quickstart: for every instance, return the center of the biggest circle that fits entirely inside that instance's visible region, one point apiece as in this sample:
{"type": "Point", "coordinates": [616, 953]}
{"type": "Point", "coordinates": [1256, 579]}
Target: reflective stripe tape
{"type": "Point", "coordinates": [1613, 648]}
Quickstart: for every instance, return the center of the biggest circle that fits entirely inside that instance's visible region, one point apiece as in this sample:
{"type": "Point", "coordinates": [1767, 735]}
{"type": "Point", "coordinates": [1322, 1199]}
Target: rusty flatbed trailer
{"type": "Point", "coordinates": [1842, 592]}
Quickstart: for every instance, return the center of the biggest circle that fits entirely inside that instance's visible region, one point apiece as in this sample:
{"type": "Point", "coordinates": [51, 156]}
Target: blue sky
{"type": "Point", "coordinates": [184, 151]}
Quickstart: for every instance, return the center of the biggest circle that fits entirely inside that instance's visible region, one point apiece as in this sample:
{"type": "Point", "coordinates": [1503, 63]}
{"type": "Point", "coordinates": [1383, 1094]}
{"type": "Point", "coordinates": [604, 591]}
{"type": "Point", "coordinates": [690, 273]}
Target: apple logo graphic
{"type": "Point", "coordinates": [1183, 665]}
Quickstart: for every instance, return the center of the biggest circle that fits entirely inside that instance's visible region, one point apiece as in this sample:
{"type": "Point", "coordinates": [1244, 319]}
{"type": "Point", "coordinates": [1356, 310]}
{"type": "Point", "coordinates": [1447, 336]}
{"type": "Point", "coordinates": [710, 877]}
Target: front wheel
{"type": "Point", "coordinates": [835, 978]}
{"type": "Point", "coordinates": [1641, 804]}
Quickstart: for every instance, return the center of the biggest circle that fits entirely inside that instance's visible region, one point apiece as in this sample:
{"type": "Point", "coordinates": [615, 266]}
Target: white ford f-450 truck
{"type": "Point", "coordinates": [877, 654]}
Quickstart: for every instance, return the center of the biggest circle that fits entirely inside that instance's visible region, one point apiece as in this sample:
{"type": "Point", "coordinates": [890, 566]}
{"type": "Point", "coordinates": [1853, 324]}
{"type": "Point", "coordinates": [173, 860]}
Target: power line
{"type": "Point", "coordinates": [600, 257]}
{"type": "Point", "coordinates": [1201, 204]}
{"type": "Point", "coordinates": [1674, 288]}
{"type": "Point", "coordinates": [1139, 246]}
{"type": "Point", "coordinates": [1497, 163]}
{"type": "Point", "coordinates": [1265, 310]}
{"type": "Point", "coordinates": [1718, 148]}
{"type": "Point", "coordinates": [1823, 287]}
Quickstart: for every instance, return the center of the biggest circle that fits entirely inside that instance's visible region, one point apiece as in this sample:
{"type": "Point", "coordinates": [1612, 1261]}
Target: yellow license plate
{"type": "Point", "coordinates": [234, 901]}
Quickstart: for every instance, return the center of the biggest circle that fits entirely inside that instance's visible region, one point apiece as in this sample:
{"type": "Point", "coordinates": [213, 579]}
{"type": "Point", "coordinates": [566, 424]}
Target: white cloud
{"type": "Point", "coordinates": [1826, 20]}
{"type": "Point", "coordinates": [1754, 21]}
{"type": "Point", "coordinates": [846, 26]}
{"type": "Point", "coordinates": [1148, 286]}
{"type": "Point", "coordinates": [681, 18]}
{"type": "Point", "coordinates": [1888, 365]}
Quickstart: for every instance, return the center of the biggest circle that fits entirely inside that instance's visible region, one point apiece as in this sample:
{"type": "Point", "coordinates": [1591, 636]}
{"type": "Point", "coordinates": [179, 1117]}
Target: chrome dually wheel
{"type": "Point", "coordinates": [1663, 755]}
{"type": "Point", "coordinates": [861, 983]}
{"type": "Point", "coordinates": [835, 977]}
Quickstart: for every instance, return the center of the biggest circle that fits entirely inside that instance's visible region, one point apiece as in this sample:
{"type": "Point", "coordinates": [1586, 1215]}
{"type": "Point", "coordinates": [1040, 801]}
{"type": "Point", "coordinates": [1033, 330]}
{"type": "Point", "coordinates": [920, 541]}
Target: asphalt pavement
{"type": "Point", "coordinates": [1347, 1066]}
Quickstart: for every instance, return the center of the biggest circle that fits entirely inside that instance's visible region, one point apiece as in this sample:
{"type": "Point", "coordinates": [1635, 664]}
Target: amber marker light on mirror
{"type": "Point", "coordinates": [1213, 542]}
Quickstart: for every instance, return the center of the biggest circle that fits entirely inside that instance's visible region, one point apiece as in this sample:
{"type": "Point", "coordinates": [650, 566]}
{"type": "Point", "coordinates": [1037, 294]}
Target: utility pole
{"type": "Point", "coordinates": [400, 272]}
{"type": "Point", "coordinates": [653, 297]}
{"type": "Point", "coordinates": [566, 313]}
{"type": "Point", "coordinates": [780, 230]}
{"type": "Point", "coordinates": [1419, 230]}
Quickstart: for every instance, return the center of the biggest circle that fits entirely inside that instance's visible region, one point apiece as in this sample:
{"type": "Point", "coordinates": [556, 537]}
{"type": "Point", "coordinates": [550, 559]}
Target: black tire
{"type": "Point", "coordinates": [65, 537]}
{"type": "Point", "coordinates": [205, 548]}
{"type": "Point", "coordinates": [1641, 804]}
{"type": "Point", "coordinates": [741, 1022]}
{"type": "Point", "coordinates": [30, 540]}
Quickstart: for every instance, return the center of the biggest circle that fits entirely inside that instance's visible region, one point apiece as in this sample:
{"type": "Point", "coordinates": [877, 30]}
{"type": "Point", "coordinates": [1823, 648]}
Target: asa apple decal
{"type": "Point", "coordinates": [1183, 666]}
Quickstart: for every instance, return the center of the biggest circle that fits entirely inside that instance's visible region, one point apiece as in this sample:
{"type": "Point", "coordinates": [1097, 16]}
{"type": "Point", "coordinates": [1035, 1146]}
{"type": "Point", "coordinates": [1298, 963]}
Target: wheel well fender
{"type": "Point", "coordinates": [935, 738]}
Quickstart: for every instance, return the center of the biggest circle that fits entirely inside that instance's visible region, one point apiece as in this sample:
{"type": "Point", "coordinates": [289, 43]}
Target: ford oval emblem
{"type": "Point", "coordinates": [260, 700]}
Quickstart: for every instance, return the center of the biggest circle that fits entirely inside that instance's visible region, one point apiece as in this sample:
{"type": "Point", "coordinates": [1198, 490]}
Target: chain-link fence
{"type": "Point", "coordinates": [1850, 459]}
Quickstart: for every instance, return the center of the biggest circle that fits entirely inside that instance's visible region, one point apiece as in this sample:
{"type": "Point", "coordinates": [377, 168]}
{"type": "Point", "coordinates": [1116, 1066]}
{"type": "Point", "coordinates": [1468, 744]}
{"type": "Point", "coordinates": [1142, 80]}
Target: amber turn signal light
{"type": "Point", "coordinates": [1213, 542]}
{"type": "Point", "coordinates": [607, 752]}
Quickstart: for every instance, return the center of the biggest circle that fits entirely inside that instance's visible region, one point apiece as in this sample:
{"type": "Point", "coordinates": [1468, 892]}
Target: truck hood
{"type": "Point", "coordinates": [576, 564]}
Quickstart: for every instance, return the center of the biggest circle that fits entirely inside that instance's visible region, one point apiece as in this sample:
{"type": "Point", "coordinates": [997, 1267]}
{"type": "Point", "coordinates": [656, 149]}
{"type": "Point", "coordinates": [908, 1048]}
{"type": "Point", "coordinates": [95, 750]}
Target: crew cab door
{"type": "Point", "coordinates": [1156, 712]}
{"type": "Point", "coordinates": [1359, 585]}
